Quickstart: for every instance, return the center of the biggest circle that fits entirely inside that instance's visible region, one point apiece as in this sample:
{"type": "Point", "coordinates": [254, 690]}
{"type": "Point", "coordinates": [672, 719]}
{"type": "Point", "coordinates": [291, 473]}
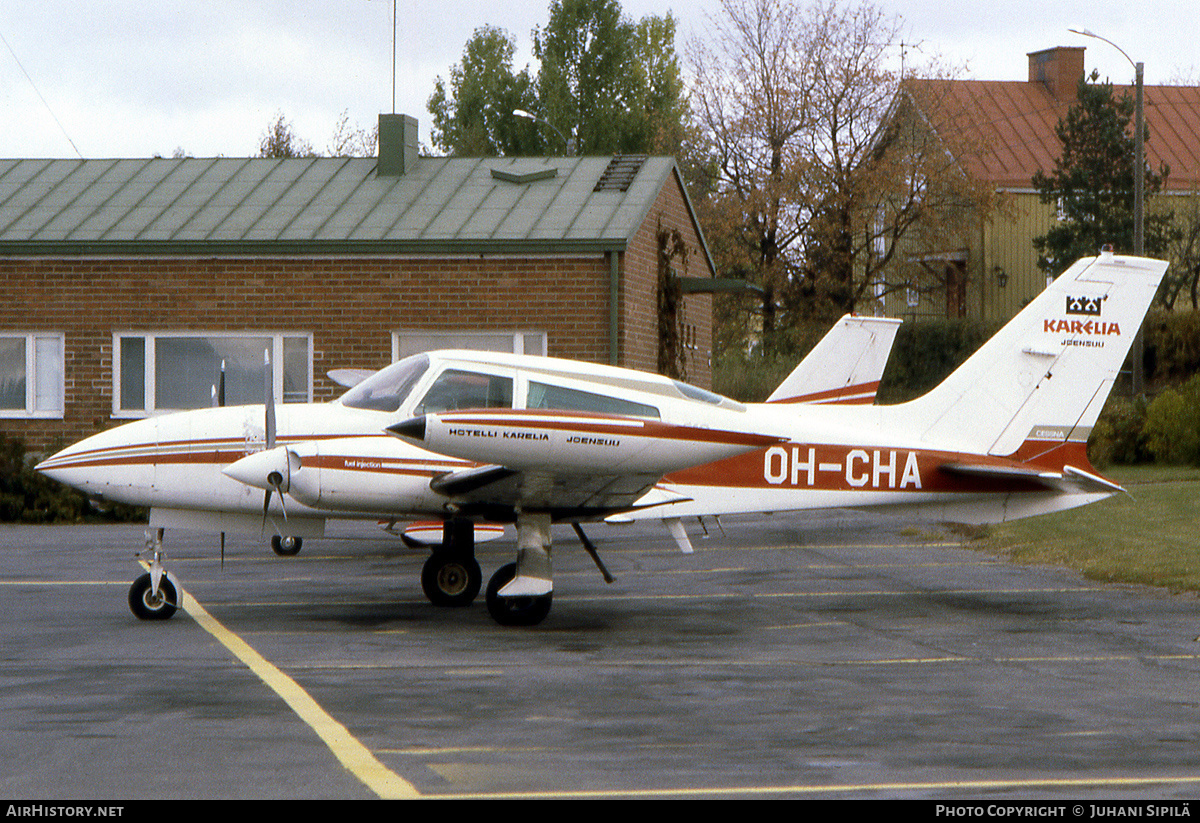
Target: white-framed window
{"type": "Point", "coordinates": [405, 343]}
{"type": "Point", "coordinates": [163, 371]}
{"type": "Point", "coordinates": [32, 374]}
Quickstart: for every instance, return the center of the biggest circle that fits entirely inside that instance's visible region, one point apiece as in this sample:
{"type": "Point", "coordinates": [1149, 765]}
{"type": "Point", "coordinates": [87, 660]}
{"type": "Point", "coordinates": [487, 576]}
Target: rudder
{"type": "Point", "coordinates": [1045, 376]}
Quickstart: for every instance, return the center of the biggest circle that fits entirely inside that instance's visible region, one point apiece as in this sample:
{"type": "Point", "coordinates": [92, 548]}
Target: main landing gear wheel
{"type": "Point", "coordinates": [286, 546]}
{"type": "Point", "coordinates": [451, 580]}
{"type": "Point", "coordinates": [148, 606]}
{"type": "Point", "coordinates": [514, 611]}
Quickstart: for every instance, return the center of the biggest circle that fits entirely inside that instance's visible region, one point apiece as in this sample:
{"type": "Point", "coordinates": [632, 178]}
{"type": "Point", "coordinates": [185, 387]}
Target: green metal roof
{"type": "Point", "coordinates": [323, 205]}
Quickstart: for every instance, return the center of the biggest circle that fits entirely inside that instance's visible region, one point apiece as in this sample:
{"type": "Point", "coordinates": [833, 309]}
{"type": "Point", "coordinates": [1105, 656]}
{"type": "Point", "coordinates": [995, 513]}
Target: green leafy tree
{"type": "Point", "coordinates": [605, 84]}
{"type": "Point", "coordinates": [473, 116]}
{"type": "Point", "coordinates": [1092, 182]}
{"type": "Point", "coordinates": [590, 83]}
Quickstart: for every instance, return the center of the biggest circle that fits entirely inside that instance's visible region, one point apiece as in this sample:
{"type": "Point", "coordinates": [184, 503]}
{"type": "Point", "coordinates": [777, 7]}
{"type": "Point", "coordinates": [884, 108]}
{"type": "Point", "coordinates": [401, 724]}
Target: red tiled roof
{"type": "Point", "coordinates": [1013, 122]}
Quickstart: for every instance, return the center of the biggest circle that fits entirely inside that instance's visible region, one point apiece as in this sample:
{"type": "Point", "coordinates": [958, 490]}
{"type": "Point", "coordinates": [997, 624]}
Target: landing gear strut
{"type": "Point", "coordinates": [451, 576]}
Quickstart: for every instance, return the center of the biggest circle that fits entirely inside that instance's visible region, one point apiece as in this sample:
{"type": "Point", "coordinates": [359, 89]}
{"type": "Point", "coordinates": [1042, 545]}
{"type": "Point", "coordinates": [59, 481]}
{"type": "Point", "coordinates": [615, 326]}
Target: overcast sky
{"type": "Point", "coordinates": [129, 78]}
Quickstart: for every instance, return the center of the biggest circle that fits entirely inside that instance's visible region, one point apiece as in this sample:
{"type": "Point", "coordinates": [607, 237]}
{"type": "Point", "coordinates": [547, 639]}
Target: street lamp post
{"type": "Point", "coordinates": [1139, 188]}
{"type": "Point", "coordinates": [528, 116]}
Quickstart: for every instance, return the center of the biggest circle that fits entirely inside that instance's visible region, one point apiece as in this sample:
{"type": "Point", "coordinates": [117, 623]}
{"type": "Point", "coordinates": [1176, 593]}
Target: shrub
{"type": "Point", "coordinates": [1172, 346]}
{"type": "Point", "coordinates": [1172, 429]}
{"type": "Point", "coordinates": [1118, 435]}
{"type": "Point", "coordinates": [29, 497]}
{"type": "Point", "coordinates": [926, 352]}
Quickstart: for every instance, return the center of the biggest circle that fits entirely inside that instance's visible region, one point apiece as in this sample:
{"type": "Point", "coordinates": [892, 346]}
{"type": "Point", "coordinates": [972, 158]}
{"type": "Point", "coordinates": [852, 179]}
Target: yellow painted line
{"type": "Point", "coordinates": [63, 583]}
{"type": "Point", "coordinates": [356, 757]}
{"type": "Point", "coordinates": [843, 788]}
{"type": "Point", "coordinates": [840, 593]}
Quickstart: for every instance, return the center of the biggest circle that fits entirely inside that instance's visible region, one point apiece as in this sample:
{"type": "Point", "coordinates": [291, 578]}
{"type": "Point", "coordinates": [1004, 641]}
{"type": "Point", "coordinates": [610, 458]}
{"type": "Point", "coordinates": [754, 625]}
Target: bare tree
{"type": "Point", "coordinates": [280, 141]}
{"type": "Point", "coordinates": [751, 98]}
{"type": "Point", "coordinates": [829, 163]}
{"type": "Point", "coordinates": [352, 140]}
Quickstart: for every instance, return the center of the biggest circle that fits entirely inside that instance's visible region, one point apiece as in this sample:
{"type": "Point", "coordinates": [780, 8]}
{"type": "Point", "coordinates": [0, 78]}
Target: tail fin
{"type": "Point", "coordinates": [844, 367]}
{"type": "Point", "coordinates": [1042, 380]}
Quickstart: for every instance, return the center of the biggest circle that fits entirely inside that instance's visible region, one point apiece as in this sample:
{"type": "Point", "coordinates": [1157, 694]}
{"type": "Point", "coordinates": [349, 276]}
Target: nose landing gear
{"type": "Point", "coordinates": [155, 594]}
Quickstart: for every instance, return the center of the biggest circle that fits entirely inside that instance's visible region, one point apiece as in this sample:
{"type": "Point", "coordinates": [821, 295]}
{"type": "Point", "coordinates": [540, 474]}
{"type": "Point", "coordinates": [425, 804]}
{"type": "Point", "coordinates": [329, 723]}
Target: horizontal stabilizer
{"type": "Point", "coordinates": [990, 472]}
{"type": "Point", "coordinates": [349, 378]}
{"type": "Point", "coordinates": [1089, 481]}
{"type": "Point", "coordinates": [1069, 479]}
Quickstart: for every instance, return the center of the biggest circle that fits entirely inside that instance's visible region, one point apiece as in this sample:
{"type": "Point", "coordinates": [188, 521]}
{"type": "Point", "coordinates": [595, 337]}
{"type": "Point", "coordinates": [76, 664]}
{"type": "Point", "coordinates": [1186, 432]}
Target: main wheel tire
{"type": "Point", "coordinates": [515, 611]}
{"type": "Point", "coordinates": [286, 546]}
{"type": "Point", "coordinates": [149, 607]}
{"type": "Point", "coordinates": [451, 580]}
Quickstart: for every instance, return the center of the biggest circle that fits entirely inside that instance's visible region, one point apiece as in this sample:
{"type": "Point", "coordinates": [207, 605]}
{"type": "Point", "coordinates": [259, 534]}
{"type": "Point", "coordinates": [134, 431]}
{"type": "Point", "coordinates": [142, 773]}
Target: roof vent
{"type": "Point", "coordinates": [620, 172]}
{"type": "Point", "coordinates": [527, 176]}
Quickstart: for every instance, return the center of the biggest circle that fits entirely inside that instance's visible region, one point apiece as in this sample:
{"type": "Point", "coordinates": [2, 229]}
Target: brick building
{"type": "Point", "coordinates": [127, 283]}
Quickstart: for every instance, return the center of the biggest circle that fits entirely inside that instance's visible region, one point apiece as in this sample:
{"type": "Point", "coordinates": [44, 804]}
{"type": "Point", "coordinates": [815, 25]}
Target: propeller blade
{"type": "Point", "coordinates": [277, 484]}
{"type": "Point", "coordinates": [266, 507]}
{"type": "Point", "coordinates": [269, 395]}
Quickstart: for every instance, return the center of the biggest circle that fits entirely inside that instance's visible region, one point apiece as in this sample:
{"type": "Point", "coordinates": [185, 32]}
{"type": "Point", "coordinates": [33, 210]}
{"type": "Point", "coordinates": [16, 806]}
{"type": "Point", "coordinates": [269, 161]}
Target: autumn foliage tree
{"type": "Point", "coordinates": [821, 177]}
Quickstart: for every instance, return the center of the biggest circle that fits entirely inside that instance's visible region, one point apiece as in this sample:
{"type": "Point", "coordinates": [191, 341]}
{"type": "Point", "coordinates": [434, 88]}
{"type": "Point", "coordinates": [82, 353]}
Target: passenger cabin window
{"type": "Point", "coordinates": [387, 389]}
{"type": "Point", "coordinates": [456, 389]}
{"type": "Point", "coordinates": [542, 396]}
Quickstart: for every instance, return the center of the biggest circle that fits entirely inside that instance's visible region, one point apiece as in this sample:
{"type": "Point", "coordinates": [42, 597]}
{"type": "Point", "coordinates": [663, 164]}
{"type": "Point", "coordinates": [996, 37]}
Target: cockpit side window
{"type": "Point", "coordinates": [387, 389]}
{"type": "Point", "coordinates": [457, 389]}
{"type": "Point", "coordinates": [543, 396]}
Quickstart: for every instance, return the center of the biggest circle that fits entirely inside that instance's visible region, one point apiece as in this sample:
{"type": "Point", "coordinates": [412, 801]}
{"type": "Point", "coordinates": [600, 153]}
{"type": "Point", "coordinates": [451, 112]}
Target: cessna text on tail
{"type": "Point", "coordinates": [468, 437]}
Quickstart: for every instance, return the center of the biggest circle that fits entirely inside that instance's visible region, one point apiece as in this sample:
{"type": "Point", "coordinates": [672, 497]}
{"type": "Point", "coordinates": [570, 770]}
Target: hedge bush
{"type": "Point", "coordinates": [1172, 428]}
{"type": "Point", "coordinates": [29, 497]}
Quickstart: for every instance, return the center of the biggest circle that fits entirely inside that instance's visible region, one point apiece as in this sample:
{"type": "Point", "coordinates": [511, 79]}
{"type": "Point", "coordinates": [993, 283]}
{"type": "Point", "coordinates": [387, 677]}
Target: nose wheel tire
{"type": "Point", "coordinates": [514, 611]}
{"type": "Point", "coordinates": [148, 606]}
{"type": "Point", "coordinates": [450, 580]}
{"type": "Point", "coordinates": [286, 546]}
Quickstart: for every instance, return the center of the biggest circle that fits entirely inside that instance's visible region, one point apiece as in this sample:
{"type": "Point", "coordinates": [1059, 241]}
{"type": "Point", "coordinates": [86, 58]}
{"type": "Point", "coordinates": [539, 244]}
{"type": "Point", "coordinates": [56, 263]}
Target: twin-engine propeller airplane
{"type": "Point", "coordinates": [467, 437]}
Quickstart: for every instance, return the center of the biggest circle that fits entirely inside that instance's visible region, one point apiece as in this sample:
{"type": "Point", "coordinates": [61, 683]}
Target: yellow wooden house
{"type": "Point", "coordinates": [991, 271]}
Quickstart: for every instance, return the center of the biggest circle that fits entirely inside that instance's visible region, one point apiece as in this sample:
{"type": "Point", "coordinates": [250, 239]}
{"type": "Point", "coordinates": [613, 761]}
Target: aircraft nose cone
{"type": "Point", "coordinates": [109, 456]}
{"type": "Point", "coordinates": [411, 429]}
{"type": "Point", "coordinates": [52, 466]}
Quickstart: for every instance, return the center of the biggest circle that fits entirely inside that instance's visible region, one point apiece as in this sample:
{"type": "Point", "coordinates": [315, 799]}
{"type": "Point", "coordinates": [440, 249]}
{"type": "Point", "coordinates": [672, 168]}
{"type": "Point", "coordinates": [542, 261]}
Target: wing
{"type": "Point", "coordinates": [573, 465]}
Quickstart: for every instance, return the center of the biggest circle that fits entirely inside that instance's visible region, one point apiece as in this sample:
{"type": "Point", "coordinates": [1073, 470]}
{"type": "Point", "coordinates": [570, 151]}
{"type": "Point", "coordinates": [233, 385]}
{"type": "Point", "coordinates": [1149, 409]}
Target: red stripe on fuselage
{"type": "Point", "coordinates": [869, 468]}
{"type": "Point", "coordinates": [848, 395]}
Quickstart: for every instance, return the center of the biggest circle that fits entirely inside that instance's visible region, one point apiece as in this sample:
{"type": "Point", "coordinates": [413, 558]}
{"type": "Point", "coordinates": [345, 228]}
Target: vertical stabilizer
{"type": "Point", "coordinates": [1042, 380]}
{"type": "Point", "coordinates": [845, 366]}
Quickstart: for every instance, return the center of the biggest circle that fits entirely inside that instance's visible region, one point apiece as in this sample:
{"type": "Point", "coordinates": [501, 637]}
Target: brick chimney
{"type": "Point", "coordinates": [397, 145]}
{"type": "Point", "coordinates": [1060, 69]}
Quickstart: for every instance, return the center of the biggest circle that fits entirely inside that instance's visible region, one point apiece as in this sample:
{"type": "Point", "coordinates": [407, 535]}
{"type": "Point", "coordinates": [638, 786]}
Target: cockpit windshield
{"type": "Point", "coordinates": [387, 389]}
